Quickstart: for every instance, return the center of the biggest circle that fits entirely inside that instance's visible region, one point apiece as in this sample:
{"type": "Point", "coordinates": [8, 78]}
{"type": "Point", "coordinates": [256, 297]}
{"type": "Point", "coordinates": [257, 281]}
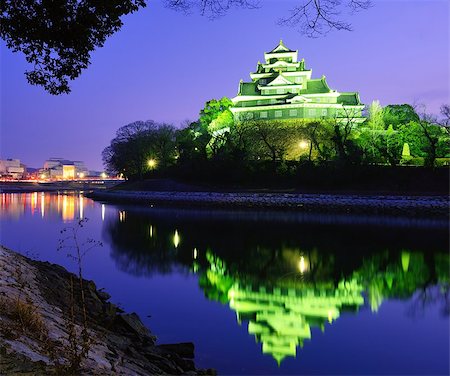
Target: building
{"type": "Point", "coordinates": [282, 88]}
{"type": "Point", "coordinates": [60, 168]}
{"type": "Point", "coordinates": [12, 168]}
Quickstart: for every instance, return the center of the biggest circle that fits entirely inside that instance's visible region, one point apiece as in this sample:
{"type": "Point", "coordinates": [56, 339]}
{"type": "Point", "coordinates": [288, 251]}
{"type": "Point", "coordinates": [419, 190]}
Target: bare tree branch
{"type": "Point", "coordinates": [210, 8]}
{"type": "Point", "coordinates": [318, 17]}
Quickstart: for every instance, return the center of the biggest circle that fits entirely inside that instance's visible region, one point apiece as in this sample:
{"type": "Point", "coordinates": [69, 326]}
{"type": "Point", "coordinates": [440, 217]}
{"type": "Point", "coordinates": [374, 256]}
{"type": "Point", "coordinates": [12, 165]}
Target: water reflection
{"type": "Point", "coordinates": [284, 279]}
{"type": "Point", "coordinates": [66, 205]}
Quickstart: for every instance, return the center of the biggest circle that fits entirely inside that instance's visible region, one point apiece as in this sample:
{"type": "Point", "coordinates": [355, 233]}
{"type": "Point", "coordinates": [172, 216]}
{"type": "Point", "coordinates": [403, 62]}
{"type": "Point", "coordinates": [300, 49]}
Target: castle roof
{"type": "Point", "coordinates": [349, 99]}
{"type": "Point", "coordinates": [248, 88]}
{"type": "Point", "coordinates": [316, 86]}
{"type": "Point", "coordinates": [280, 48]}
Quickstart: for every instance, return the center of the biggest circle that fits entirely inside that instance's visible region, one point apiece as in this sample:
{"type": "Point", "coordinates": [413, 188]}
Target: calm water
{"type": "Point", "coordinates": [261, 293]}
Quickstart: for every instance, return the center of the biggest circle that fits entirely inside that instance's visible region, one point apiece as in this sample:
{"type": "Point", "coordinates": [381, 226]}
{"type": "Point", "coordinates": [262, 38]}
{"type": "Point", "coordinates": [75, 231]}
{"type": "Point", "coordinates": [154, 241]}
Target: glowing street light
{"type": "Point", "coordinates": [176, 239]}
{"type": "Point", "coordinates": [303, 144]}
{"type": "Point", "coordinates": [103, 175]}
{"type": "Point", "coordinates": [302, 265]}
{"type": "Point", "coordinates": [151, 163]}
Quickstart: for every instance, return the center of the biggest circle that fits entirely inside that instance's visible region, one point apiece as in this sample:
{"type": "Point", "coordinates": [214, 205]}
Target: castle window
{"type": "Point", "coordinates": [312, 112]}
{"type": "Point", "coordinates": [263, 115]}
{"type": "Point", "coordinates": [324, 112]}
{"type": "Point", "coordinates": [292, 112]}
{"type": "Point", "coordinates": [278, 114]}
{"type": "Point", "coordinates": [280, 91]}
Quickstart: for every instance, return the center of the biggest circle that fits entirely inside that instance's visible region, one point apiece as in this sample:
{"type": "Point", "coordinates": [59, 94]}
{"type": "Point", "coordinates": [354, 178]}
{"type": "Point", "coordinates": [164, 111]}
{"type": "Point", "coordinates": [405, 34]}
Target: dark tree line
{"type": "Point", "coordinates": [140, 146]}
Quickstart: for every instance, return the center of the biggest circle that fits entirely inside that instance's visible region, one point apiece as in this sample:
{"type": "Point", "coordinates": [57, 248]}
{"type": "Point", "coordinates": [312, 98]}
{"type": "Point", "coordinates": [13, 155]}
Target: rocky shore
{"type": "Point", "coordinates": [425, 206]}
{"type": "Point", "coordinates": [37, 301]}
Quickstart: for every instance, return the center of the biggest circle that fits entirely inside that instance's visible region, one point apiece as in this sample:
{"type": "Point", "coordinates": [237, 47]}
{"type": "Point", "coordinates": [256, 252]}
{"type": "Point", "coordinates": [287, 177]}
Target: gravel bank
{"type": "Point", "coordinates": [425, 206]}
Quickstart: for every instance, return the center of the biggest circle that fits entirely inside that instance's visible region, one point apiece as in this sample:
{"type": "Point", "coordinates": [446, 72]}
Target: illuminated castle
{"type": "Point", "coordinates": [282, 88]}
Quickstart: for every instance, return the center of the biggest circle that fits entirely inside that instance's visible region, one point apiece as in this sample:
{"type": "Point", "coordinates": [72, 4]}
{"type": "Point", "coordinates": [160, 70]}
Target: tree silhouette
{"type": "Point", "coordinates": [57, 37]}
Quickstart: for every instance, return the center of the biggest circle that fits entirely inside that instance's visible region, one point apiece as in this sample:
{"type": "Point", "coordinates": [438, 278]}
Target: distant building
{"type": "Point", "coordinates": [60, 168]}
{"type": "Point", "coordinates": [12, 168]}
{"type": "Point", "coordinates": [282, 89]}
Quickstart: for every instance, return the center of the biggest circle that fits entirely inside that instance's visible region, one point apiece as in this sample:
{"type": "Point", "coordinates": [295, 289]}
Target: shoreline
{"type": "Point", "coordinates": [59, 186]}
{"type": "Point", "coordinates": [34, 334]}
{"type": "Point", "coordinates": [417, 206]}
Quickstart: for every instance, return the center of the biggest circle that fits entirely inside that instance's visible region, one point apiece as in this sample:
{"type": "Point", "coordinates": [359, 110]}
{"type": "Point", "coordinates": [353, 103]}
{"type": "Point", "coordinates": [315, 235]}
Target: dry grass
{"type": "Point", "coordinates": [24, 318]}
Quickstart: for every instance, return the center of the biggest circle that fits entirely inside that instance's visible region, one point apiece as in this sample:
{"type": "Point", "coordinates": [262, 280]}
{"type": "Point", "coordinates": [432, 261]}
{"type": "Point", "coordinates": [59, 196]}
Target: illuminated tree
{"type": "Point", "coordinates": [270, 140]}
{"type": "Point", "coordinates": [343, 138]}
{"type": "Point", "coordinates": [426, 140]}
{"type": "Point", "coordinates": [398, 114]}
{"type": "Point", "coordinates": [319, 134]}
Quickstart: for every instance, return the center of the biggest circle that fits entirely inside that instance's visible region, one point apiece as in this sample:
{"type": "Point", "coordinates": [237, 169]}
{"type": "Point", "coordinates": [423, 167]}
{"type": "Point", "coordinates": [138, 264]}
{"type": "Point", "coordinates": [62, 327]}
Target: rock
{"type": "Point", "coordinates": [134, 323]}
{"type": "Point", "coordinates": [121, 344]}
{"type": "Point", "coordinates": [103, 295]}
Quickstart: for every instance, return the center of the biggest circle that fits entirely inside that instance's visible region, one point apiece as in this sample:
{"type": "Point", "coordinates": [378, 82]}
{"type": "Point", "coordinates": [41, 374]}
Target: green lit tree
{"type": "Point", "coordinates": [399, 114]}
{"type": "Point", "coordinates": [212, 110]}
{"type": "Point", "coordinates": [345, 129]}
{"type": "Point", "coordinates": [319, 135]}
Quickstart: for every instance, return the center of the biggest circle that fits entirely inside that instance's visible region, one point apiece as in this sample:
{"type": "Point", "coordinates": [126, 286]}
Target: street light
{"type": "Point", "coordinates": [151, 163]}
{"type": "Point", "coordinates": [303, 144]}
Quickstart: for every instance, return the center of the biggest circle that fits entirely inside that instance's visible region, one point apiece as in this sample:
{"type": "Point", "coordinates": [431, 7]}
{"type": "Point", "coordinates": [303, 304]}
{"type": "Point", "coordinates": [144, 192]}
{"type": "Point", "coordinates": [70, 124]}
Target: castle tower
{"type": "Point", "coordinates": [282, 88]}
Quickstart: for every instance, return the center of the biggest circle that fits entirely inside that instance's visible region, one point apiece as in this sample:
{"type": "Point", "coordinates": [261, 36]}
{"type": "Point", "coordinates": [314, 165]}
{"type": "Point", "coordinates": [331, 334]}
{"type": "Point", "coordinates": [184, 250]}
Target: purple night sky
{"type": "Point", "coordinates": [164, 65]}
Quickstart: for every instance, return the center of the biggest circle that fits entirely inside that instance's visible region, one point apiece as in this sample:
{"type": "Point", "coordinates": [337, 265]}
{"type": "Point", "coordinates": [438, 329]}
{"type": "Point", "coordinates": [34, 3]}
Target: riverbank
{"type": "Point", "coordinates": [55, 186]}
{"type": "Point", "coordinates": [35, 329]}
{"type": "Point", "coordinates": [418, 206]}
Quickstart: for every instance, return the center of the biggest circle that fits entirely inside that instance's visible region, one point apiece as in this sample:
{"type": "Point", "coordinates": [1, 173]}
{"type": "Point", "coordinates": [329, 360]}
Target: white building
{"type": "Point", "coordinates": [60, 168]}
{"type": "Point", "coordinates": [12, 168]}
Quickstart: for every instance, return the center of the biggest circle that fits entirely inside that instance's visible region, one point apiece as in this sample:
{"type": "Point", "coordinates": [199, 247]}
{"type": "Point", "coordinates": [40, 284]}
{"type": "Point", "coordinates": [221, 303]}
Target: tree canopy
{"type": "Point", "coordinates": [136, 145]}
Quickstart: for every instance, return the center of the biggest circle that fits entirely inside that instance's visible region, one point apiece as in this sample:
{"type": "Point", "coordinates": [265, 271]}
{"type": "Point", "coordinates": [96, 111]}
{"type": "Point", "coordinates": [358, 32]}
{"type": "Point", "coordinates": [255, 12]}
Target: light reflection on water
{"type": "Point", "coordinates": [292, 282]}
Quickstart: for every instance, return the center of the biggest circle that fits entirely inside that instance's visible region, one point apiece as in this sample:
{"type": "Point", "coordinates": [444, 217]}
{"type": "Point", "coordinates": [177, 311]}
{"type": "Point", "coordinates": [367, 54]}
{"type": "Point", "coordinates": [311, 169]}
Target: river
{"type": "Point", "coordinates": [259, 292]}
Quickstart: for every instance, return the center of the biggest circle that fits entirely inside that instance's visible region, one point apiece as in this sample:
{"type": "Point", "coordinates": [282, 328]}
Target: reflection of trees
{"type": "Point", "coordinates": [400, 275]}
{"type": "Point", "coordinates": [142, 242]}
{"type": "Point", "coordinates": [429, 296]}
{"type": "Point", "coordinates": [139, 247]}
